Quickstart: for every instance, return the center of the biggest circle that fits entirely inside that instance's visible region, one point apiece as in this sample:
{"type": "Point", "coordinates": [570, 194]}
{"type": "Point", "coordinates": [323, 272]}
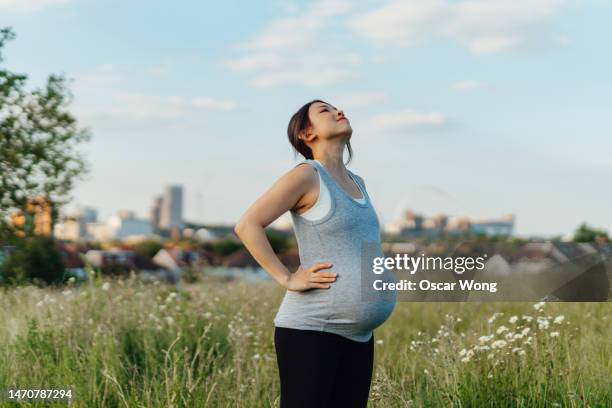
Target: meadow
{"type": "Point", "coordinates": [123, 343]}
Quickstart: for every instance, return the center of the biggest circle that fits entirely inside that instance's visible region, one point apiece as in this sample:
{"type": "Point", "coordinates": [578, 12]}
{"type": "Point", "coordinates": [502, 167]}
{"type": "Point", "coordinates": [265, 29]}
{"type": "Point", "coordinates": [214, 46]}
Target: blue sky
{"type": "Point", "coordinates": [463, 107]}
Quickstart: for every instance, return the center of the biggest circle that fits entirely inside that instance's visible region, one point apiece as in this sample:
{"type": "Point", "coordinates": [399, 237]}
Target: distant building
{"type": "Point", "coordinates": [74, 225]}
{"type": "Point", "coordinates": [36, 217]}
{"type": "Point", "coordinates": [171, 211]}
{"type": "Point", "coordinates": [125, 224]}
{"type": "Point", "coordinates": [156, 213]}
{"type": "Point", "coordinates": [98, 258]}
{"type": "Point", "coordinates": [100, 231]}
{"type": "Point", "coordinates": [175, 259]}
{"type": "Point", "coordinates": [493, 226]}
{"type": "Point", "coordinates": [416, 225]}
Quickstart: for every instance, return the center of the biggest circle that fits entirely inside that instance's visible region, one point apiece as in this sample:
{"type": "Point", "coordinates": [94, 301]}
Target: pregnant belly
{"type": "Point", "coordinates": [363, 315]}
{"type": "Point", "coordinates": [341, 306]}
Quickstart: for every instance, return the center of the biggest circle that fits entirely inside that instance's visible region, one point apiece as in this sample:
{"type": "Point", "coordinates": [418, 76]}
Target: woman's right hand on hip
{"type": "Point", "coordinates": [309, 278]}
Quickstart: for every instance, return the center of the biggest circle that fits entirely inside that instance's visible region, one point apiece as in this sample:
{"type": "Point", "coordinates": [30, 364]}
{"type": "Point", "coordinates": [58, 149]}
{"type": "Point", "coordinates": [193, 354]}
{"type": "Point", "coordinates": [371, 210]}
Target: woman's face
{"type": "Point", "coordinates": [328, 122]}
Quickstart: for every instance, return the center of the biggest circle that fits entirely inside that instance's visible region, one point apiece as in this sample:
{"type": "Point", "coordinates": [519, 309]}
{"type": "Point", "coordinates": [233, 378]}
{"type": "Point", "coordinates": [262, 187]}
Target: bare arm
{"type": "Point", "coordinates": [284, 195]}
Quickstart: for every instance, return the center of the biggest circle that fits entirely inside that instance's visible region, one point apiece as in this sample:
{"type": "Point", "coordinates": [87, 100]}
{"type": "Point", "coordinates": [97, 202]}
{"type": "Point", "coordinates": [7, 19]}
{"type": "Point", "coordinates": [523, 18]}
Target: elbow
{"type": "Point", "coordinates": [242, 226]}
{"type": "Point", "coordinates": [239, 228]}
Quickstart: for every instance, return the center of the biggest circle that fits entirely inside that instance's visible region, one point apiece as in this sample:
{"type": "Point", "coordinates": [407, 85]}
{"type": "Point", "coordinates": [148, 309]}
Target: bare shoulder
{"type": "Point", "coordinates": [300, 179]}
{"type": "Point", "coordinates": [302, 173]}
{"type": "Point", "coordinates": [304, 180]}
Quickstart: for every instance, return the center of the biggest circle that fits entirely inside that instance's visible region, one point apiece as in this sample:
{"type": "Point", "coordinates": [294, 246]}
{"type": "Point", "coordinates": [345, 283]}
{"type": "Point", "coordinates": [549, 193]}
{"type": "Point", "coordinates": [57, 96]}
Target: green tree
{"type": "Point", "coordinates": [226, 246]}
{"type": "Point", "coordinates": [34, 259]}
{"type": "Point", "coordinates": [278, 241]}
{"type": "Point", "coordinates": [584, 233]}
{"type": "Point", "coordinates": [38, 140]}
{"type": "Point", "coordinates": [148, 248]}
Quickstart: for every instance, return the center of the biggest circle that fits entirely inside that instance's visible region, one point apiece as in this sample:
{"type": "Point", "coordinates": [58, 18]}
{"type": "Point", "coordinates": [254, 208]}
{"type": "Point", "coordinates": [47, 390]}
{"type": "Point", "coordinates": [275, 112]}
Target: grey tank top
{"type": "Point", "coordinates": [337, 238]}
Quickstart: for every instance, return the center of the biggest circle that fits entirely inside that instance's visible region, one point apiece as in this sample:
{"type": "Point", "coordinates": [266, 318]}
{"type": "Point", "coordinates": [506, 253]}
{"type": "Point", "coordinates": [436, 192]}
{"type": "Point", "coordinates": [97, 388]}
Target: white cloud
{"type": "Point", "coordinates": [357, 100]}
{"type": "Point", "coordinates": [103, 99]}
{"type": "Point", "coordinates": [294, 50]}
{"type": "Point", "coordinates": [468, 85]}
{"type": "Point", "coordinates": [483, 26]}
{"type": "Point", "coordinates": [160, 70]}
{"type": "Point", "coordinates": [213, 104]}
{"type": "Point", "coordinates": [100, 79]}
{"type": "Point", "coordinates": [136, 110]}
{"type": "Point", "coordinates": [256, 62]}
{"type": "Point", "coordinates": [28, 6]}
{"type": "Point", "coordinates": [407, 120]}
{"type": "Point", "coordinates": [400, 22]}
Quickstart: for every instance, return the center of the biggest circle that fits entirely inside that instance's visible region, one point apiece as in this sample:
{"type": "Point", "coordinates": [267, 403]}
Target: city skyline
{"type": "Point", "coordinates": [462, 108]}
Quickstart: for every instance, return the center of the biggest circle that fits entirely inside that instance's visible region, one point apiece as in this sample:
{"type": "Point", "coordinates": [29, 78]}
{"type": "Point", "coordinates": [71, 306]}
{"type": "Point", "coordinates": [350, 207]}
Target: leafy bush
{"type": "Point", "coordinates": [226, 247]}
{"type": "Point", "coordinates": [34, 259]}
{"type": "Point", "coordinates": [148, 248]}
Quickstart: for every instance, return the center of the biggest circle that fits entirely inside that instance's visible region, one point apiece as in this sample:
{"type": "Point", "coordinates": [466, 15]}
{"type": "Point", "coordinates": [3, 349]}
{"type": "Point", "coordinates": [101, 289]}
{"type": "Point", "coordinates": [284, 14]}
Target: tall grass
{"type": "Point", "coordinates": [124, 343]}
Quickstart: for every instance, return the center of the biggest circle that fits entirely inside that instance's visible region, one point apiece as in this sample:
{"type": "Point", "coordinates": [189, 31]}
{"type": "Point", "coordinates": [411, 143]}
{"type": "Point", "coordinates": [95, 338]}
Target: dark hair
{"type": "Point", "coordinates": [299, 122]}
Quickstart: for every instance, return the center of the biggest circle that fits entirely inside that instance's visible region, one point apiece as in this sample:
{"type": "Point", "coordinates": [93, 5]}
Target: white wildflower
{"type": "Point", "coordinates": [501, 329]}
{"type": "Point", "coordinates": [499, 344]}
{"type": "Point", "coordinates": [543, 323]}
{"type": "Point", "coordinates": [379, 341]}
{"type": "Point", "coordinates": [468, 356]}
{"type": "Point", "coordinates": [495, 316]}
{"type": "Point", "coordinates": [525, 331]}
{"type": "Point", "coordinates": [527, 318]}
{"type": "Point", "coordinates": [559, 319]}
{"type": "Point", "coordinates": [106, 286]}
{"type": "Point", "coordinates": [484, 339]}
{"type": "Point", "coordinates": [554, 334]}
{"type": "Point", "coordinates": [538, 306]}
{"type": "Point", "coordinates": [513, 319]}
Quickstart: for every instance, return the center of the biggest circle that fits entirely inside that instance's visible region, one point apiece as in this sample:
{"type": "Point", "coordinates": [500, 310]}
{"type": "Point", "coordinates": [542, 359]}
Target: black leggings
{"type": "Point", "coordinates": [320, 369]}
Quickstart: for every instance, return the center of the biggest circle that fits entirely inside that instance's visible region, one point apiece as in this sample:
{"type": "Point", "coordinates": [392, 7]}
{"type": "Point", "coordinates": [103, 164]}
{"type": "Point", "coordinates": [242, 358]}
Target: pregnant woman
{"type": "Point", "coordinates": [324, 327]}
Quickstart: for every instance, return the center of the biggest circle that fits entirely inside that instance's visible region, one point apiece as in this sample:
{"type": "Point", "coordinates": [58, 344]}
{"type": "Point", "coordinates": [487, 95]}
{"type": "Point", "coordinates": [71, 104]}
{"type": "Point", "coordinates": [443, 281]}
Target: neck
{"type": "Point", "coordinates": [331, 157]}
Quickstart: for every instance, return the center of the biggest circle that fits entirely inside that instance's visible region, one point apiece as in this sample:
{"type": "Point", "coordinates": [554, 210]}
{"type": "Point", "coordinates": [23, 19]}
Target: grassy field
{"type": "Point", "coordinates": [123, 343]}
